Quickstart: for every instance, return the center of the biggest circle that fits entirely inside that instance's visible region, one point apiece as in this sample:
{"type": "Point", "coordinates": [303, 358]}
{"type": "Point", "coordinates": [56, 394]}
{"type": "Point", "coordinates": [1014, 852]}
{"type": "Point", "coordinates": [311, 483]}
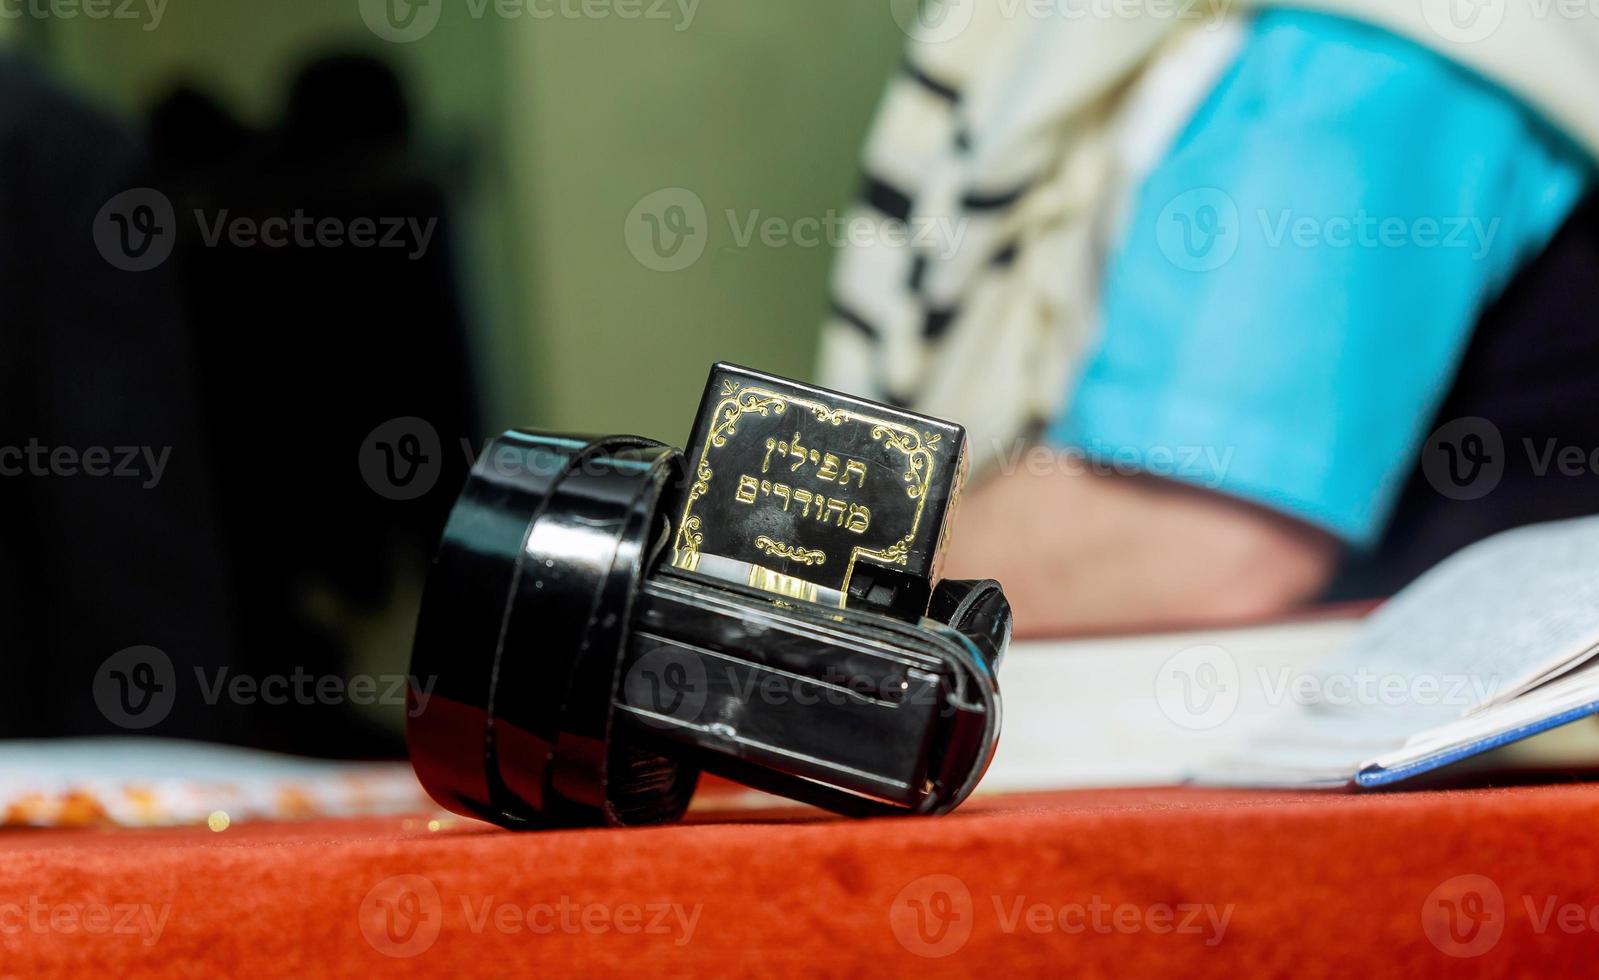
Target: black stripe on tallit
{"type": "Point", "coordinates": [994, 202]}
{"type": "Point", "coordinates": [936, 323]}
{"type": "Point", "coordinates": [942, 90]}
{"type": "Point", "coordinates": [886, 198]}
{"type": "Point", "coordinates": [857, 321]}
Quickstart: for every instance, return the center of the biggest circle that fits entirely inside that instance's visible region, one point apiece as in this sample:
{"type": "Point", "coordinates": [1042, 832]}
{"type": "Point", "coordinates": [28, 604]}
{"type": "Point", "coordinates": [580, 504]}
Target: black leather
{"type": "Point", "coordinates": [576, 682]}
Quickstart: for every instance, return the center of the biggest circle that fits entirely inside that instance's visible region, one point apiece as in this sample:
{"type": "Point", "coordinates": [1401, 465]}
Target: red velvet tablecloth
{"type": "Point", "coordinates": [1107, 883]}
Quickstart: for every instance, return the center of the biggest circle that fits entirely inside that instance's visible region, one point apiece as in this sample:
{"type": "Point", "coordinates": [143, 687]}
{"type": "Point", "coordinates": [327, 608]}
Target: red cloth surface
{"type": "Point", "coordinates": [1313, 885]}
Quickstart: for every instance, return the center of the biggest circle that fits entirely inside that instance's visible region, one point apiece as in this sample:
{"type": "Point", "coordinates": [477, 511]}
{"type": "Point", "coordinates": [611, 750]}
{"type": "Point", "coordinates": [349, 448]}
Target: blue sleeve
{"type": "Point", "coordinates": [1301, 274]}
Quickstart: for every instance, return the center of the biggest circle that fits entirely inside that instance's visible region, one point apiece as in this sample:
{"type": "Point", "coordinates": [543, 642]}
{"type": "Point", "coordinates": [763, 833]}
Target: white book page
{"type": "Point", "coordinates": [1115, 711]}
{"type": "Point", "coordinates": [1486, 625]}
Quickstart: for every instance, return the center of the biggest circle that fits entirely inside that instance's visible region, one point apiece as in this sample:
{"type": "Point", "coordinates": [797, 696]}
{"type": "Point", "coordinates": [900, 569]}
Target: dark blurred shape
{"type": "Point", "coordinates": [92, 356]}
{"type": "Point", "coordinates": [191, 126]}
{"type": "Point", "coordinates": [304, 350]}
{"type": "Point", "coordinates": [1531, 374]}
{"type": "Point", "coordinates": [269, 548]}
{"type": "Point", "coordinates": [347, 99]}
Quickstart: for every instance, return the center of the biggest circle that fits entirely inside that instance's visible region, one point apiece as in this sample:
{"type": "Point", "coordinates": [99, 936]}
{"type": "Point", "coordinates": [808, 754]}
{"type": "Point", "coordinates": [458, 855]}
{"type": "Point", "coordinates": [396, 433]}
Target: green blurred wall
{"type": "Point", "coordinates": [757, 107]}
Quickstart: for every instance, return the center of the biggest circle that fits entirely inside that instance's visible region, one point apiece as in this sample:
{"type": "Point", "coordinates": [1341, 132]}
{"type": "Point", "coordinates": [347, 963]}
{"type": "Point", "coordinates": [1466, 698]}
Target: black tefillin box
{"type": "Point", "coordinates": [817, 495]}
{"type": "Point", "coordinates": [607, 617]}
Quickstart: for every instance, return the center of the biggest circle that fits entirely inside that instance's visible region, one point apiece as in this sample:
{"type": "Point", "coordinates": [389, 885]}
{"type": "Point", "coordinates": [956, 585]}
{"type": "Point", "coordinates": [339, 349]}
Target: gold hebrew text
{"type": "Point", "coordinates": [856, 518]}
{"type": "Point", "coordinates": [829, 466]}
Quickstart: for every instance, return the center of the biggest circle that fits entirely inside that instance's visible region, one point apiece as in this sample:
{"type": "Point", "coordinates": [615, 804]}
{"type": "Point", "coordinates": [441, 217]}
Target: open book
{"type": "Point", "coordinates": [1494, 645]}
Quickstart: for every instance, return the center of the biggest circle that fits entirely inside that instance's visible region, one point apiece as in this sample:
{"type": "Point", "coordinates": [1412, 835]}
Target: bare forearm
{"type": "Point", "coordinates": [1084, 552]}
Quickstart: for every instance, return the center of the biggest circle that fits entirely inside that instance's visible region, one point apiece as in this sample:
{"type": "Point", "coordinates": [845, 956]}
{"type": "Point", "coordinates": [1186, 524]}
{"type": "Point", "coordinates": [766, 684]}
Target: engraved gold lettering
{"type": "Point", "coordinates": [746, 489]}
{"type": "Point", "coordinates": [860, 518]}
{"type": "Point", "coordinates": [835, 506]}
{"type": "Point", "coordinates": [829, 470]}
{"type": "Point", "coordinates": [798, 452]}
{"type": "Point", "coordinates": [855, 466]}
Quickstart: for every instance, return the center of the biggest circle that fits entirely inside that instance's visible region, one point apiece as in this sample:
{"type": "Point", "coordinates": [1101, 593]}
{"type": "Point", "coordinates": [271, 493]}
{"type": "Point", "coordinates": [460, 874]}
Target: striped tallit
{"type": "Point", "coordinates": [999, 170]}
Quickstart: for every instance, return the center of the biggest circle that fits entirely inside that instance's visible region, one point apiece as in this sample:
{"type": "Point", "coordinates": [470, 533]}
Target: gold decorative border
{"type": "Point", "coordinates": [777, 549]}
{"type": "Point", "coordinates": [920, 463]}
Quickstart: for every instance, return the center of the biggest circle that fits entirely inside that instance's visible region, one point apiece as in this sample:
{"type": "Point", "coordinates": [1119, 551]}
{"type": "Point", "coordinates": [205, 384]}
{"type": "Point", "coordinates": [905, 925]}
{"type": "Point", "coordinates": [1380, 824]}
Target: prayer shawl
{"type": "Point", "coordinates": [1002, 161]}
